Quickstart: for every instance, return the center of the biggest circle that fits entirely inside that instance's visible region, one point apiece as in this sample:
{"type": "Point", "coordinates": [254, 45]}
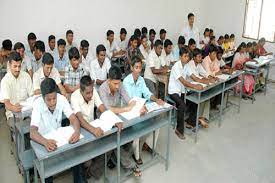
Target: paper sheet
{"type": "Point", "coordinates": [223, 76]}
{"type": "Point", "coordinates": [153, 106]}
{"type": "Point", "coordinates": [135, 112]}
{"type": "Point", "coordinates": [196, 83]}
{"type": "Point", "coordinates": [27, 105]}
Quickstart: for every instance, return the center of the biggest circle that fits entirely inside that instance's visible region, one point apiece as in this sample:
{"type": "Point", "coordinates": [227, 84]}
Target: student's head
{"type": "Point", "coordinates": [110, 35]}
{"type": "Point", "coordinates": [212, 40]}
{"type": "Point", "coordinates": [241, 48]}
{"type": "Point", "coordinates": [212, 52]}
{"type": "Point", "coordinates": [136, 66]}
{"type": "Point", "coordinates": [219, 53]}
{"type": "Point", "coordinates": [232, 37]}
{"type": "Point", "coordinates": [181, 41]}
{"type": "Point", "coordinates": [15, 63]}
{"type": "Point", "coordinates": [197, 55]}
{"type": "Point", "coordinates": [47, 61]}
{"type": "Point", "coordinates": [39, 49]}
{"type": "Point", "coordinates": [61, 47]}
{"type": "Point", "coordinates": [123, 34]}
{"type": "Point", "coordinates": [206, 32]}
{"type": "Point", "coordinates": [101, 53]}
{"type": "Point", "coordinates": [49, 91]}
{"type": "Point", "coordinates": [84, 47]}
{"type": "Point", "coordinates": [134, 41]}
{"type": "Point", "coordinates": [261, 42]}
{"type": "Point", "coordinates": [211, 32]}
{"type": "Point", "coordinates": [162, 34]}
{"type": "Point", "coordinates": [31, 40]}
{"type": "Point", "coordinates": [191, 19]}
{"type": "Point", "coordinates": [87, 88]}
{"type": "Point", "coordinates": [152, 35]}
{"type": "Point", "coordinates": [74, 57]}
{"type": "Point", "coordinates": [254, 45]}
{"type": "Point", "coordinates": [249, 47]}
{"type": "Point", "coordinates": [144, 31]}
{"type": "Point", "coordinates": [226, 38]}
{"type": "Point", "coordinates": [19, 48]}
{"type": "Point", "coordinates": [114, 80]}
{"type": "Point", "coordinates": [7, 45]}
{"type": "Point", "coordinates": [137, 33]}
{"type": "Point", "coordinates": [70, 36]}
{"type": "Point", "coordinates": [191, 44]}
{"type": "Point", "coordinates": [168, 46]}
{"type": "Point", "coordinates": [184, 55]}
{"type": "Point", "coordinates": [144, 41]}
{"type": "Point", "coordinates": [158, 47]}
{"type": "Point", "coordinates": [220, 40]}
{"type": "Point", "coordinates": [51, 42]}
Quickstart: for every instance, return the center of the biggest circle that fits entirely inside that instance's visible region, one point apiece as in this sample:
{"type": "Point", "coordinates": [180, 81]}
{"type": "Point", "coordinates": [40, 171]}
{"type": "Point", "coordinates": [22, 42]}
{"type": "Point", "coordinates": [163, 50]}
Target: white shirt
{"type": "Point", "coordinates": [26, 64]}
{"type": "Point", "coordinates": [39, 76]}
{"type": "Point", "coordinates": [111, 48]}
{"type": "Point", "coordinates": [144, 52]}
{"type": "Point", "coordinates": [86, 62]}
{"type": "Point", "coordinates": [178, 70]}
{"type": "Point", "coordinates": [52, 52]}
{"type": "Point", "coordinates": [98, 72]}
{"type": "Point", "coordinates": [122, 45]}
{"type": "Point", "coordinates": [36, 64]}
{"type": "Point", "coordinates": [197, 70]}
{"type": "Point", "coordinates": [167, 59]}
{"type": "Point", "coordinates": [86, 109]}
{"type": "Point", "coordinates": [153, 61]}
{"type": "Point", "coordinates": [68, 46]}
{"type": "Point", "coordinates": [44, 120]}
{"type": "Point", "coordinates": [189, 33]}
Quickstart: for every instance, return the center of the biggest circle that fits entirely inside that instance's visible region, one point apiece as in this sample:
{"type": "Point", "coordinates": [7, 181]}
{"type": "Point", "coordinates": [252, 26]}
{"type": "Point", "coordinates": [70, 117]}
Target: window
{"type": "Point", "coordinates": [259, 20]}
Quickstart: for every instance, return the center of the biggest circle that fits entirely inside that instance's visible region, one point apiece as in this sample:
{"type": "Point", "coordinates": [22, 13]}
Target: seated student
{"type": "Point", "coordinates": [100, 66]}
{"type": "Point", "coordinates": [232, 42]}
{"type": "Point", "coordinates": [39, 50]}
{"type": "Point", "coordinates": [206, 38]}
{"type": "Point", "coordinates": [74, 72]}
{"type": "Point", "coordinates": [191, 45]}
{"type": "Point", "coordinates": [16, 87]}
{"type": "Point", "coordinates": [116, 99]}
{"type": "Point", "coordinates": [61, 60]}
{"type": "Point", "coordinates": [254, 50]}
{"type": "Point", "coordinates": [249, 50]}
{"type": "Point", "coordinates": [47, 116]}
{"type": "Point", "coordinates": [226, 44]}
{"type": "Point", "coordinates": [223, 66]}
{"type": "Point", "coordinates": [210, 62]}
{"type": "Point", "coordinates": [51, 42]}
{"type": "Point", "coordinates": [144, 47]}
{"type": "Point", "coordinates": [26, 64]}
{"type": "Point", "coordinates": [211, 32]}
{"type": "Point", "coordinates": [86, 56]}
{"type": "Point", "coordinates": [47, 71]}
{"type": "Point", "coordinates": [112, 50]}
{"type": "Point", "coordinates": [144, 31]}
{"type": "Point", "coordinates": [162, 35]}
{"type": "Point", "coordinates": [260, 51]}
{"type": "Point", "coordinates": [137, 33]}
{"type": "Point", "coordinates": [5, 52]}
{"type": "Point", "coordinates": [212, 41]}
{"type": "Point", "coordinates": [167, 54]}
{"type": "Point", "coordinates": [176, 50]}
{"type": "Point", "coordinates": [153, 67]}
{"type": "Point", "coordinates": [152, 35]}
{"type": "Point", "coordinates": [135, 86]}
{"type": "Point", "coordinates": [30, 46]}
{"type": "Point", "coordinates": [176, 90]}
{"type": "Point", "coordinates": [220, 42]}
{"type": "Point", "coordinates": [122, 42]}
{"type": "Point", "coordinates": [70, 40]}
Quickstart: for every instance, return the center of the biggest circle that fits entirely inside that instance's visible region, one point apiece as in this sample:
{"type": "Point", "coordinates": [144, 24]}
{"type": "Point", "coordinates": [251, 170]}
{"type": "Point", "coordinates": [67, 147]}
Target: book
{"type": "Point", "coordinates": [223, 77]}
{"type": "Point", "coordinates": [153, 106]}
{"type": "Point", "coordinates": [135, 112]}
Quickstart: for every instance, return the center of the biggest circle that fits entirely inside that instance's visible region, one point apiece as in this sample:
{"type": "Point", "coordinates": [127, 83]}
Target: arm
{"type": "Point", "coordinates": [159, 71]}
{"type": "Point", "coordinates": [99, 82]}
{"type": "Point", "coordinates": [118, 110]}
{"type": "Point", "coordinates": [71, 89]}
{"type": "Point", "coordinates": [14, 108]}
{"type": "Point", "coordinates": [190, 85]}
{"type": "Point", "coordinates": [62, 90]}
{"type": "Point", "coordinates": [200, 80]}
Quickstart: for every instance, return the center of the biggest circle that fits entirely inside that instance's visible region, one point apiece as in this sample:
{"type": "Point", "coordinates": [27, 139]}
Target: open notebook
{"type": "Point", "coordinates": [61, 135]}
{"type": "Point", "coordinates": [106, 121]}
{"type": "Point", "coordinates": [153, 106]}
{"type": "Point", "coordinates": [27, 105]}
{"type": "Point", "coordinates": [135, 112]}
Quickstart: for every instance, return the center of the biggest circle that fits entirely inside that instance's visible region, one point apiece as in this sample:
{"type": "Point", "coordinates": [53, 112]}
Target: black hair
{"type": "Point", "coordinates": [212, 48]}
{"type": "Point", "coordinates": [232, 36]}
{"type": "Point", "coordinates": [69, 32]}
{"type": "Point", "coordinates": [226, 36]}
{"type": "Point", "coordinates": [48, 86]}
{"type": "Point", "coordinates": [152, 31]}
{"type": "Point", "coordinates": [100, 48]}
{"type": "Point", "coordinates": [162, 31]}
{"type": "Point", "coordinates": [181, 40]}
{"type": "Point", "coordinates": [221, 37]}
{"type": "Point", "coordinates": [14, 56]}
{"type": "Point", "coordinates": [249, 44]}
{"type": "Point", "coordinates": [86, 81]}
{"type": "Point", "coordinates": [191, 42]}
{"type": "Point", "coordinates": [84, 44]}
{"type": "Point", "coordinates": [242, 45]}
{"type": "Point", "coordinates": [144, 30]}
{"type": "Point", "coordinates": [115, 73]}
{"type": "Point", "coordinates": [109, 32]}
{"type": "Point", "coordinates": [133, 37]}
{"type": "Point", "coordinates": [137, 32]}
{"type": "Point", "coordinates": [18, 45]}
{"type": "Point", "coordinates": [212, 38]}
{"type": "Point", "coordinates": [254, 43]}
{"type": "Point", "coordinates": [206, 30]}
{"type": "Point", "coordinates": [211, 30]}
{"type": "Point", "coordinates": [74, 53]}
{"type": "Point", "coordinates": [51, 37]}
{"type": "Point", "coordinates": [7, 44]}
{"type": "Point", "coordinates": [158, 42]}
{"type": "Point", "coordinates": [183, 50]}
{"type": "Point", "coordinates": [167, 42]}
{"type": "Point", "coordinates": [219, 50]}
{"type": "Point", "coordinates": [39, 45]}
{"type": "Point", "coordinates": [61, 42]}
{"type": "Point", "coordinates": [196, 52]}
{"type": "Point", "coordinates": [47, 59]}
{"type": "Point", "coordinates": [31, 36]}
{"type": "Point", "coordinates": [135, 60]}
{"type": "Point", "coordinates": [190, 15]}
{"type": "Point", "coordinates": [123, 31]}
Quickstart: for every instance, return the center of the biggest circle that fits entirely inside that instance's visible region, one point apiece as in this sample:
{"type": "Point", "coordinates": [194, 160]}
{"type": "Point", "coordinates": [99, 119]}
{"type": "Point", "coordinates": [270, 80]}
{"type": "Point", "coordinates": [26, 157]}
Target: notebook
{"type": "Point", "coordinates": [153, 106]}
{"type": "Point", "coordinates": [135, 112]}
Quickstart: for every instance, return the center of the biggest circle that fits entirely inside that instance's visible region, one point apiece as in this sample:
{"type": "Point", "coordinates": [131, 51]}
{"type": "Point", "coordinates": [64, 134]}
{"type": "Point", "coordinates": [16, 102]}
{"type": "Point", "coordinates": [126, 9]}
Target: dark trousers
{"type": "Point", "coordinates": [77, 174]}
{"type": "Point", "coordinates": [216, 101]}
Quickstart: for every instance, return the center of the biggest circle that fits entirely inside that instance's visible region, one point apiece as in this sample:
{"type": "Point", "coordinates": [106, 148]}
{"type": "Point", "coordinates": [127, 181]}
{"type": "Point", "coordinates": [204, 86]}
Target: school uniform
{"type": "Point", "coordinates": [36, 64]}
{"type": "Point", "coordinates": [145, 53]}
{"type": "Point", "coordinates": [61, 62]}
{"type": "Point", "coordinates": [167, 59]}
{"type": "Point", "coordinates": [100, 72]}
{"type": "Point", "coordinates": [111, 48]}
{"type": "Point", "coordinates": [86, 62]}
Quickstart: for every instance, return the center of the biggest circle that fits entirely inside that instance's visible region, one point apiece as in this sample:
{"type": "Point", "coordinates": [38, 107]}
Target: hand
{"type": "Point", "coordinates": [50, 145]}
{"type": "Point", "coordinates": [130, 106]}
{"type": "Point", "coordinates": [206, 81]}
{"type": "Point", "coordinates": [160, 102]}
{"type": "Point", "coordinates": [75, 137]}
{"type": "Point", "coordinates": [98, 132]}
{"type": "Point", "coordinates": [143, 110]}
{"type": "Point", "coordinates": [119, 126]}
{"type": "Point", "coordinates": [198, 87]}
{"type": "Point", "coordinates": [17, 108]}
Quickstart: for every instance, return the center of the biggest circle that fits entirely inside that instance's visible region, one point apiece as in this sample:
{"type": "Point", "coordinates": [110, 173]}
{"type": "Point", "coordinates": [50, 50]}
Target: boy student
{"type": "Point", "coordinates": [144, 31]}
{"type": "Point", "coordinates": [116, 99]}
{"type": "Point", "coordinates": [39, 50]}
{"type": "Point", "coordinates": [191, 46]}
{"type": "Point", "coordinates": [135, 86]}
{"type": "Point", "coordinates": [30, 46]}
{"type": "Point", "coordinates": [176, 90]}
{"type": "Point", "coordinates": [112, 50]}
{"type": "Point", "coordinates": [166, 53]}
{"type": "Point", "coordinates": [100, 66]}
{"type": "Point", "coordinates": [70, 39]}
{"type": "Point", "coordinates": [86, 56]}
{"type": "Point", "coordinates": [122, 43]}
{"type": "Point", "coordinates": [47, 116]}
{"type": "Point", "coordinates": [162, 35]}
{"type": "Point", "coordinates": [47, 71]}
{"type": "Point", "coordinates": [152, 35]}
{"type": "Point", "coordinates": [51, 42]}
{"type": "Point", "coordinates": [61, 60]}
{"type": "Point", "coordinates": [220, 41]}
{"type": "Point", "coordinates": [74, 72]}
{"type": "Point", "coordinates": [181, 44]}
{"type": "Point", "coordinates": [153, 67]}
{"type": "Point", "coordinates": [144, 47]}
{"type": "Point", "coordinates": [5, 52]}
{"type": "Point", "coordinates": [223, 66]}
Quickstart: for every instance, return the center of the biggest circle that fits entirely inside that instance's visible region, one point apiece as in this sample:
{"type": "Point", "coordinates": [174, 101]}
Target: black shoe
{"type": "Point", "coordinates": [110, 164]}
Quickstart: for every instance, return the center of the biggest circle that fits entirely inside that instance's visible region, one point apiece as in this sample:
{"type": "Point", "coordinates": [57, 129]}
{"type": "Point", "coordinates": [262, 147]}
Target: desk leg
{"type": "Point", "coordinates": [118, 157]}
{"type": "Point", "coordinates": [42, 173]}
{"type": "Point", "coordinates": [197, 119]}
{"type": "Point", "coordinates": [241, 94]}
{"type": "Point", "coordinates": [221, 106]}
{"type": "Point", "coordinates": [105, 167]}
{"type": "Point", "coordinates": [35, 173]}
{"type": "Point", "coordinates": [266, 79]}
{"type": "Point", "coordinates": [168, 141]}
{"type": "Point", "coordinates": [16, 140]}
{"type": "Point", "coordinates": [154, 138]}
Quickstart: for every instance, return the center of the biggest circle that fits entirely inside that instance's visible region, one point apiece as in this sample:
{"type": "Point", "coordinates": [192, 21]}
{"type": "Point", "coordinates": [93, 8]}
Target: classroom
{"type": "Point", "coordinates": [137, 91]}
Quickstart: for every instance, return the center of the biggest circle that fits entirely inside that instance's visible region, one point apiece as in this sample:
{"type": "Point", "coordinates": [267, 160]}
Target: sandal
{"type": "Point", "coordinates": [180, 135]}
{"type": "Point", "coordinates": [204, 118]}
{"type": "Point", "coordinates": [138, 161]}
{"type": "Point", "coordinates": [203, 123]}
{"type": "Point", "coordinates": [136, 171]}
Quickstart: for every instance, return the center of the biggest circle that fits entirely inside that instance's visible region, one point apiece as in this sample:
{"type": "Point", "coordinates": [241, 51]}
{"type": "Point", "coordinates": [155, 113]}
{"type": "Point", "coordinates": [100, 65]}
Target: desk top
{"type": "Point", "coordinates": [262, 61]}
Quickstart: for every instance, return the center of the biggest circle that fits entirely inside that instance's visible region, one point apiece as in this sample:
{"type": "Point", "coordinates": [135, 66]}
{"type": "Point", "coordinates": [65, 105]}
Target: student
{"type": "Point", "coordinates": [249, 50]}
{"type": "Point", "coordinates": [137, 33]}
{"type": "Point", "coordinates": [5, 52]}
{"type": "Point", "coordinates": [30, 47]}
{"type": "Point", "coordinates": [144, 47]}
{"type": "Point", "coordinates": [100, 66]}
{"type": "Point", "coordinates": [70, 40]}
{"type": "Point", "coordinates": [73, 72]}
{"type": "Point", "coordinates": [51, 42]}
{"type": "Point", "coordinates": [220, 41]}
{"type": "Point", "coordinates": [260, 48]}
{"type": "Point", "coordinates": [47, 116]}
{"type": "Point", "coordinates": [254, 49]}
{"type": "Point", "coordinates": [211, 32]}
{"type": "Point", "coordinates": [39, 50]}
{"type": "Point", "coordinates": [167, 54]}
{"type": "Point", "coordinates": [113, 96]}
{"type": "Point", "coordinates": [191, 46]}
{"type": "Point", "coordinates": [212, 41]}
{"type": "Point", "coordinates": [153, 67]}
{"type": "Point", "coordinates": [176, 50]}
{"type": "Point", "coordinates": [61, 60]}
{"type": "Point", "coordinates": [144, 31]}
{"type": "Point", "coordinates": [47, 71]}
{"type": "Point", "coordinates": [206, 37]}
{"type": "Point", "coordinates": [16, 87]}
{"type": "Point", "coordinates": [122, 43]}
{"type": "Point", "coordinates": [176, 90]}
{"type": "Point", "coordinates": [152, 35]}
{"type": "Point", "coordinates": [112, 50]}
{"type": "Point", "coordinates": [26, 64]}
{"type": "Point", "coordinates": [232, 42]}
{"type": "Point", "coordinates": [162, 35]}
{"type": "Point", "coordinates": [226, 44]}
{"type": "Point", "coordinates": [135, 86]}
{"type": "Point", "coordinates": [191, 31]}
{"type": "Point", "coordinates": [210, 62]}
{"type": "Point", "coordinates": [86, 56]}
{"type": "Point", "coordinates": [223, 66]}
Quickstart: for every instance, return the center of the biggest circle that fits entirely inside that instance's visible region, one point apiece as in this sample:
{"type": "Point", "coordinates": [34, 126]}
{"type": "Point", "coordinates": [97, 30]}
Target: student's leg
{"type": "Point", "coordinates": [151, 85]}
{"type": "Point", "coordinates": [204, 109]}
{"type": "Point", "coordinates": [136, 148]}
{"type": "Point", "coordinates": [149, 139]}
{"type": "Point", "coordinates": [78, 174]}
{"type": "Point", "coordinates": [192, 108]}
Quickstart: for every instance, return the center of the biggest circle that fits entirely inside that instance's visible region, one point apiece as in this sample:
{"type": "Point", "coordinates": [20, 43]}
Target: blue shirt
{"type": "Point", "coordinates": [60, 63]}
{"type": "Point", "coordinates": [176, 53]}
{"type": "Point", "coordinates": [136, 89]}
